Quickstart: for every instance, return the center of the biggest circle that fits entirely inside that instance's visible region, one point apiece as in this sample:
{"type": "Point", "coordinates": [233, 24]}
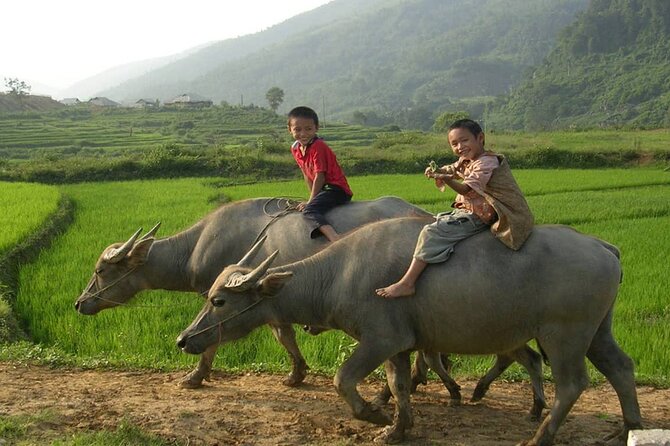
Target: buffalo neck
{"type": "Point", "coordinates": [166, 264]}
{"type": "Point", "coordinates": [306, 298]}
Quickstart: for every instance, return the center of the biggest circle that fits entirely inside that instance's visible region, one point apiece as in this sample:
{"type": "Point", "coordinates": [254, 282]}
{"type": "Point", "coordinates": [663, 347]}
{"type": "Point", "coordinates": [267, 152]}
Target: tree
{"type": "Point", "coordinates": [17, 87]}
{"type": "Point", "coordinates": [275, 97]}
{"type": "Point", "coordinates": [360, 118]}
{"type": "Point", "coordinates": [443, 121]}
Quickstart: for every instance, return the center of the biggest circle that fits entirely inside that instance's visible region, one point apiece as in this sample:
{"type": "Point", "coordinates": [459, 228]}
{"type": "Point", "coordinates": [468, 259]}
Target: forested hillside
{"type": "Point", "coordinates": [610, 68]}
{"type": "Point", "coordinates": [393, 61]}
{"type": "Point", "coordinates": [175, 78]}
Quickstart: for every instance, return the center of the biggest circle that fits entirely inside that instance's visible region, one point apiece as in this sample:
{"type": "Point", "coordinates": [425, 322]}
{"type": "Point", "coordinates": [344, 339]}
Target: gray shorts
{"type": "Point", "coordinates": [437, 240]}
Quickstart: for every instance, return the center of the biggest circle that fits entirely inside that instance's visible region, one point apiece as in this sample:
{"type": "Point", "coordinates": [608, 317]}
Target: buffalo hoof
{"type": "Point", "coordinates": [479, 393]}
{"type": "Point", "coordinates": [619, 438]}
{"type": "Point", "coordinates": [295, 378]}
{"type": "Point", "coordinates": [390, 435]}
{"type": "Point", "coordinates": [191, 381]}
{"type": "Point", "coordinates": [380, 400]}
{"type": "Point", "coordinates": [416, 380]}
{"type": "Point", "coordinates": [374, 415]}
{"type": "Point", "coordinates": [454, 402]}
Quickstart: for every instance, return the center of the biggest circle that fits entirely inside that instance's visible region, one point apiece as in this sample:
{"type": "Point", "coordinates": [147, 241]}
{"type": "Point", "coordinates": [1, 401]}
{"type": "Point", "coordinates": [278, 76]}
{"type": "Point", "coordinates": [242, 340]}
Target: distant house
{"type": "Point", "coordinates": [70, 101]}
{"type": "Point", "coordinates": [147, 103]}
{"type": "Point", "coordinates": [189, 100]}
{"type": "Point", "coordinates": [103, 102]}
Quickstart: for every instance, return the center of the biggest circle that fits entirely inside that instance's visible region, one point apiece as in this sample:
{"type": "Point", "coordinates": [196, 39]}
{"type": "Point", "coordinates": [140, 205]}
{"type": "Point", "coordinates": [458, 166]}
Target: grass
{"type": "Point", "coordinates": [592, 140]}
{"type": "Point", "coordinates": [24, 209]}
{"type": "Point", "coordinates": [34, 430]}
{"type": "Point", "coordinates": [627, 207]}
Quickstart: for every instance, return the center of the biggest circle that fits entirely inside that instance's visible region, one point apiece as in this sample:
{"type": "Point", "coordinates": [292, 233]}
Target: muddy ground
{"type": "Point", "coordinates": [256, 409]}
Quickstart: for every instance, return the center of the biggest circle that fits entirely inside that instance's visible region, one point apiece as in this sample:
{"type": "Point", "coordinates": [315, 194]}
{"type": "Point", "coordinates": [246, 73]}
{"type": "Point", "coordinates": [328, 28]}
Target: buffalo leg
{"type": "Point", "coordinates": [567, 356]}
{"type": "Point", "coordinates": [194, 379]}
{"type": "Point", "coordinates": [286, 336]}
{"type": "Point", "coordinates": [611, 361]}
{"type": "Point", "coordinates": [419, 375]}
{"type": "Point", "coordinates": [419, 371]}
{"type": "Point", "coordinates": [363, 361]}
{"type": "Point", "coordinates": [532, 362]}
{"type": "Point", "coordinates": [398, 378]}
{"type": "Point", "coordinates": [434, 361]}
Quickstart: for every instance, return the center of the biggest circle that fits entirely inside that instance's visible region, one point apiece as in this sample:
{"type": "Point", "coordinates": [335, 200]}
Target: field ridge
{"type": "Point", "coordinates": [25, 252]}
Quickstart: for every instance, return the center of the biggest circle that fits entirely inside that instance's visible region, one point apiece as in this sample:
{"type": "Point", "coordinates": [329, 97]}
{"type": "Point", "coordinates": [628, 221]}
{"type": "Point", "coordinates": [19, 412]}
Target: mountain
{"type": "Point", "coordinates": [400, 60]}
{"type": "Point", "coordinates": [176, 78]}
{"type": "Point", "coordinates": [90, 86]}
{"type": "Point", "coordinates": [610, 68]}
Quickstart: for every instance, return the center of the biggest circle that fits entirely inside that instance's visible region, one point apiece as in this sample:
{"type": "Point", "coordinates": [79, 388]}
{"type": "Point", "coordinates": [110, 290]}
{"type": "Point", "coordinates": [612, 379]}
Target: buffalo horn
{"type": "Point", "coordinates": [115, 255]}
{"type": "Point", "coordinates": [249, 256]}
{"type": "Point", "coordinates": [241, 282]}
{"type": "Point", "coordinates": [151, 233]}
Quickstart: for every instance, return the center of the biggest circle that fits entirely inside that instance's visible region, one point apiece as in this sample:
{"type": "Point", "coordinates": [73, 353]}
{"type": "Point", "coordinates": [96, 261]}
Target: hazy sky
{"type": "Point", "coordinates": [59, 42]}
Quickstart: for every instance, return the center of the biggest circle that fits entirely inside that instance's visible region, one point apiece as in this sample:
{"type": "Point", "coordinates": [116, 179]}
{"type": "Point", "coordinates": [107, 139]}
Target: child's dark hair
{"type": "Point", "coordinates": [469, 124]}
{"type": "Point", "coordinates": [303, 112]}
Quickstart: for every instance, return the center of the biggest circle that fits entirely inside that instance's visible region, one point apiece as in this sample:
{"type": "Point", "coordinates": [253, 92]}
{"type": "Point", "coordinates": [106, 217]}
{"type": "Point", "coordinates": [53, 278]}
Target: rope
{"type": "Point", "coordinates": [229, 318]}
{"type": "Point", "coordinates": [289, 206]}
{"type": "Point", "coordinates": [96, 295]}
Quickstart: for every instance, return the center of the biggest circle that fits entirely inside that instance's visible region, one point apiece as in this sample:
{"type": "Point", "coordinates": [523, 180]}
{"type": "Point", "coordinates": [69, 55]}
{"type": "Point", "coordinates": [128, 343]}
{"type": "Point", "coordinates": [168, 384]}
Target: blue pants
{"type": "Point", "coordinates": [328, 198]}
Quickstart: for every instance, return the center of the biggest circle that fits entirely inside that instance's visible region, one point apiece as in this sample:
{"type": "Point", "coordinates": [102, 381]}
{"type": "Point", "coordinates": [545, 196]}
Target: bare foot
{"type": "Point", "coordinates": [398, 289]}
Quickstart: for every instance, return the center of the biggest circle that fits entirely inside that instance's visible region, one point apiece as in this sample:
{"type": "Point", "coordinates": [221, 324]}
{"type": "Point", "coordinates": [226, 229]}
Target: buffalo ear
{"type": "Point", "coordinates": [138, 255]}
{"type": "Point", "coordinates": [272, 283]}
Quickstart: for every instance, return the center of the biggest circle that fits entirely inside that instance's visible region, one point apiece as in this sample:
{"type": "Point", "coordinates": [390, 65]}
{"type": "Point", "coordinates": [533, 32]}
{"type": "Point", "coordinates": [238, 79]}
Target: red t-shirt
{"type": "Point", "coordinates": [319, 157]}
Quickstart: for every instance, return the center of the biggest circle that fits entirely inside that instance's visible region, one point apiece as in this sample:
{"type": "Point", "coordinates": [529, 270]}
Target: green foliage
{"type": "Point", "coordinates": [124, 435]}
{"type": "Point", "coordinates": [76, 146]}
{"type": "Point", "coordinates": [443, 121]}
{"type": "Point", "coordinates": [275, 97]}
{"type": "Point", "coordinates": [19, 430]}
{"type": "Point", "coordinates": [609, 69]}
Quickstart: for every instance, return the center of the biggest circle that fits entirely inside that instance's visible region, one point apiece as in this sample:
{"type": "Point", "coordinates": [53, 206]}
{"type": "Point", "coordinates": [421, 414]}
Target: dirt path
{"type": "Point", "coordinates": [258, 410]}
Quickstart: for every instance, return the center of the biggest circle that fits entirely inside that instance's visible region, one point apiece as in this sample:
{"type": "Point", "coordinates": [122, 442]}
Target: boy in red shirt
{"type": "Point", "coordinates": [324, 177]}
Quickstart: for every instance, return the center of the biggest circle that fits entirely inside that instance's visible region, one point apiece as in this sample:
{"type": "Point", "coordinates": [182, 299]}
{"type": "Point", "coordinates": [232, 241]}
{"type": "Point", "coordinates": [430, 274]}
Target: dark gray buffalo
{"type": "Point", "coordinates": [192, 259]}
{"type": "Point", "coordinates": [560, 289]}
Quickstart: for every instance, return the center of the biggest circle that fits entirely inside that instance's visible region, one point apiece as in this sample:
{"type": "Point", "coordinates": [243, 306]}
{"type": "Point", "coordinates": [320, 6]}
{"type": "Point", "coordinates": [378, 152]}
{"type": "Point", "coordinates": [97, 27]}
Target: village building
{"type": "Point", "coordinates": [103, 102]}
{"type": "Point", "coordinates": [70, 101]}
{"type": "Point", "coordinates": [190, 100]}
{"type": "Point", "coordinates": [147, 103]}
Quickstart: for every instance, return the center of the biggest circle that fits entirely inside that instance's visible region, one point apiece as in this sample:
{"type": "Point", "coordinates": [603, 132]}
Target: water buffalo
{"type": "Point", "coordinates": [192, 259]}
{"type": "Point", "coordinates": [560, 289]}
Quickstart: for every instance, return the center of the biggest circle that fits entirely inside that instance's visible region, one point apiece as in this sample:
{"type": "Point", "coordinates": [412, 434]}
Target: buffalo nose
{"type": "Point", "coordinates": [181, 341]}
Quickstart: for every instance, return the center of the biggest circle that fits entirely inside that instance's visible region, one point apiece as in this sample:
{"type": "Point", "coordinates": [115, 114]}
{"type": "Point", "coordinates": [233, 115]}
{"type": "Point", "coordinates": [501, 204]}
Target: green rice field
{"type": "Point", "coordinates": [627, 207]}
{"type": "Point", "coordinates": [23, 209]}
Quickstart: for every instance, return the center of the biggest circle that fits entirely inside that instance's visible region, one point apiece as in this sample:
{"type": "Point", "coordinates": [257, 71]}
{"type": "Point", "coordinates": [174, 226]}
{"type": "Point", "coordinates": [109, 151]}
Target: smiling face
{"type": "Point", "coordinates": [465, 144]}
{"type": "Point", "coordinates": [302, 129]}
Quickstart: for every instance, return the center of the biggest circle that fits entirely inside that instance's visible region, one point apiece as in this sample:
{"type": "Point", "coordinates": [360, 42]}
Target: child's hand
{"type": "Point", "coordinates": [301, 205]}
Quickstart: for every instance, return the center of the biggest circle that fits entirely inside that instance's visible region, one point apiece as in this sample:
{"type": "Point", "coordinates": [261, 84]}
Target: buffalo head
{"type": "Point", "coordinates": [232, 310]}
{"type": "Point", "coordinates": [115, 279]}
